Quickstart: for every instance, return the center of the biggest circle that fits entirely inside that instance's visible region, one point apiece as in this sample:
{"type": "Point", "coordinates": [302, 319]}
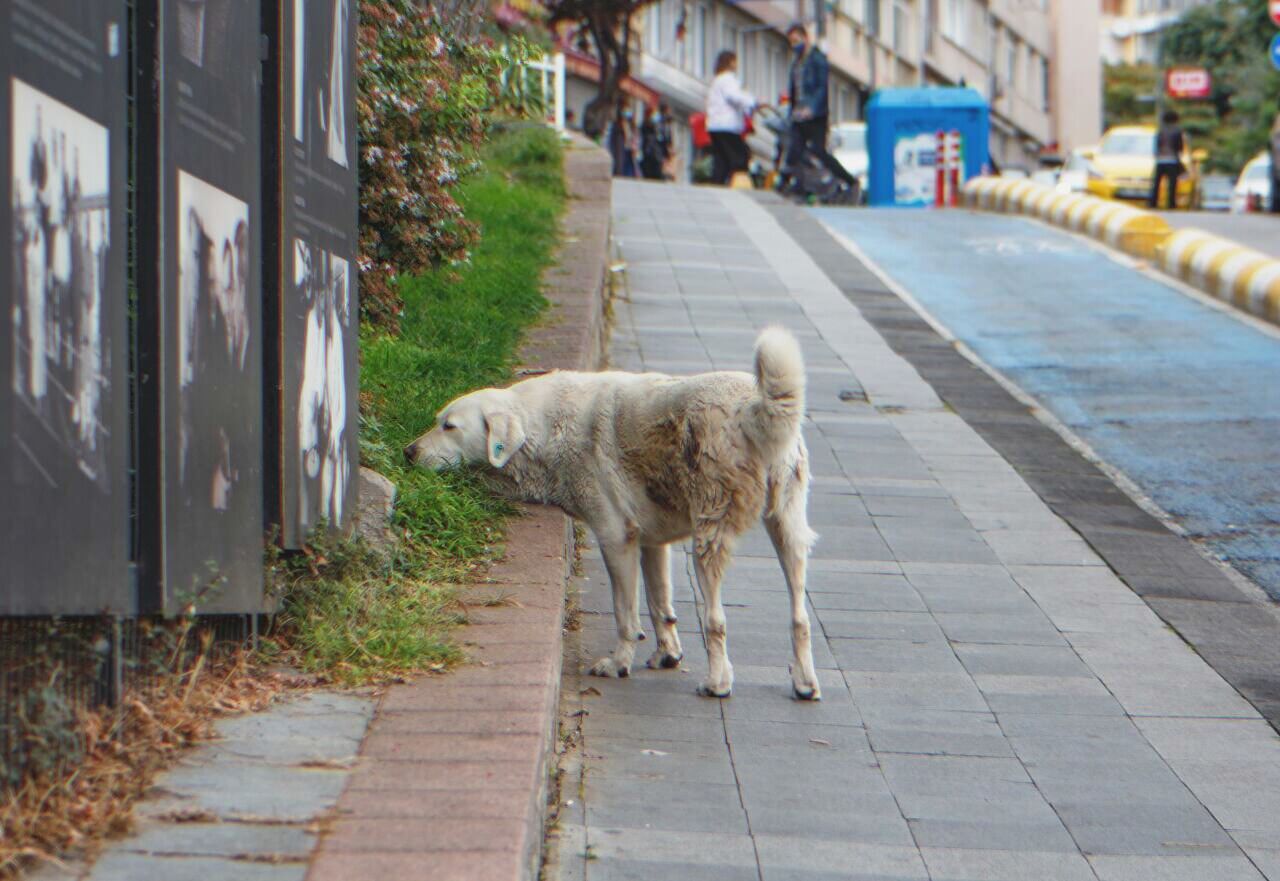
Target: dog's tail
{"type": "Point", "coordinates": [780, 381]}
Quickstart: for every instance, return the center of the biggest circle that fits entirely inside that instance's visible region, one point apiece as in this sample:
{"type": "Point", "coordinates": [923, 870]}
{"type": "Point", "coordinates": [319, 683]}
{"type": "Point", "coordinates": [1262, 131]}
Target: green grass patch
{"type": "Point", "coordinates": [353, 615]}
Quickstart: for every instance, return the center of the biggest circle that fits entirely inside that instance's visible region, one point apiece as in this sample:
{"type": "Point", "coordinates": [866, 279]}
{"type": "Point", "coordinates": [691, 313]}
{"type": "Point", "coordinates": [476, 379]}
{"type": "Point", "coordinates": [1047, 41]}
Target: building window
{"type": "Point", "coordinates": [728, 39]}
{"type": "Point", "coordinates": [901, 25]}
{"type": "Point", "coordinates": [1011, 62]}
{"type": "Point", "coordinates": [1044, 83]}
{"type": "Point", "coordinates": [653, 15]}
{"type": "Point", "coordinates": [873, 17]}
{"type": "Point", "coordinates": [955, 21]}
{"type": "Point", "coordinates": [777, 75]}
{"type": "Point", "coordinates": [700, 42]}
{"type": "Point", "coordinates": [749, 70]}
{"type": "Point", "coordinates": [846, 104]}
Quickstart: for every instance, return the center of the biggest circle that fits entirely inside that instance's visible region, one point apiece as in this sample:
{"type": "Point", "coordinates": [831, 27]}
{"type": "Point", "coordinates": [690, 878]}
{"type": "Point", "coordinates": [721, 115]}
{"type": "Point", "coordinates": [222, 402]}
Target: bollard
{"type": "Point", "coordinates": [953, 157]}
{"type": "Point", "coordinates": [940, 170]}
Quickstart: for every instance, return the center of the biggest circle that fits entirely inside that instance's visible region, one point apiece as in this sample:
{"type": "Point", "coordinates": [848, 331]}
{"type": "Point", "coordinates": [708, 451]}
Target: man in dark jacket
{"type": "Point", "coordinates": [1170, 144]}
{"type": "Point", "coordinates": [807, 89]}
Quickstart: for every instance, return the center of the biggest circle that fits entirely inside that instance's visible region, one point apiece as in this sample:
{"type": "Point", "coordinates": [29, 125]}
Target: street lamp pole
{"type": "Point", "coordinates": [1160, 71]}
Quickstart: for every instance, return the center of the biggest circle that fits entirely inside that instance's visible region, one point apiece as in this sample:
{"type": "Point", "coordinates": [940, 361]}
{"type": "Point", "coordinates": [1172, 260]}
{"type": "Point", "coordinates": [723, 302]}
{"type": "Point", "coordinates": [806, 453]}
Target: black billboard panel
{"type": "Point", "coordinates": [64, 397]}
{"type": "Point", "coordinates": [201, 329]}
{"type": "Point", "coordinates": [312, 288]}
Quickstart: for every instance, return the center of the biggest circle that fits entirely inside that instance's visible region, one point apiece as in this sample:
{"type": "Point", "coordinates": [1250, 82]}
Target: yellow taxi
{"type": "Point", "coordinates": [1123, 164]}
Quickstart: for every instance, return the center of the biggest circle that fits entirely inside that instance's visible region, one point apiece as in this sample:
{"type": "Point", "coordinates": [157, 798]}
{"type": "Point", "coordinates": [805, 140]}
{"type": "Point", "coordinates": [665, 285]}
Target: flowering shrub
{"type": "Point", "coordinates": [425, 90]}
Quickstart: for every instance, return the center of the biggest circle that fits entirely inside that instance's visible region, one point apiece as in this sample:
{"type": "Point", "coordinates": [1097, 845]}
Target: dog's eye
{"type": "Point", "coordinates": [448, 426]}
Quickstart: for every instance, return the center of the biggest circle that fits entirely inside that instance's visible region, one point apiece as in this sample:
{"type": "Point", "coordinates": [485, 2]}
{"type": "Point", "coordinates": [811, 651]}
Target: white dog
{"type": "Point", "coordinates": [645, 460]}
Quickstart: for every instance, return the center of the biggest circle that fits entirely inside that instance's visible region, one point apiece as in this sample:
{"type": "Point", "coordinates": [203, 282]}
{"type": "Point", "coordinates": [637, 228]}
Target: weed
{"type": "Point", "coordinates": [85, 767]}
{"type": "Point", "coordinates": [460, 330]}
{"type": "Point", "coordinates": [353, 615]}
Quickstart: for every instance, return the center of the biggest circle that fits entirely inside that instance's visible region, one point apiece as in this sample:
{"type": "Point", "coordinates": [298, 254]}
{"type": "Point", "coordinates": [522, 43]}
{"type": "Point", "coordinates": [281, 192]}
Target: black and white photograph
{"type": "Point", "coordinates": [203, 31]}
{"type": "Point", "coordinates": [213, 343]}
{"type": "Point", "coordinates": [309, 287]}
{"type": "Point", "coordinates": [61, 240]}
{"type": "Point", "coordinates": [322, 286]}
{"type": "Point", "coordinates": [320, 73]}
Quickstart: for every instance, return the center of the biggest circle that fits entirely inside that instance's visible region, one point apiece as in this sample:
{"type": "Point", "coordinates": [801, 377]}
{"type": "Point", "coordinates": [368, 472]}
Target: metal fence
{"type": "Point", "coordinates": [538, 86]}
{"type": "Point", "coordinates": [51, 669]}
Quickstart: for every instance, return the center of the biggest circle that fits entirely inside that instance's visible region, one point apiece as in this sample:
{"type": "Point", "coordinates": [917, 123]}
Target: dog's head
{"type": "Point", "coordinates": [483, 426]}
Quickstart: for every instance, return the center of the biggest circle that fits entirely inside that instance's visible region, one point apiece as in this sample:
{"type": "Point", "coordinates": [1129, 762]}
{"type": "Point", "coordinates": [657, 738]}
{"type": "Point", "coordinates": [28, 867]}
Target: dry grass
{"type": "Point", "coordinates": [73, 809]}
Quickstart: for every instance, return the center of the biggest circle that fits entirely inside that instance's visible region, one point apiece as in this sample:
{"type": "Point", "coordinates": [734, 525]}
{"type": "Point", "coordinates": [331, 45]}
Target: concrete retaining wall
{"type": "Point", "coordinates": [1230, 272]}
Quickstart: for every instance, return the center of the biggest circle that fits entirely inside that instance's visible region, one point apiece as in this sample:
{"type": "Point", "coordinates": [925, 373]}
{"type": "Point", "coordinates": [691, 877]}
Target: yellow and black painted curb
{"type": "Point", "coordinates": [1247, 279]}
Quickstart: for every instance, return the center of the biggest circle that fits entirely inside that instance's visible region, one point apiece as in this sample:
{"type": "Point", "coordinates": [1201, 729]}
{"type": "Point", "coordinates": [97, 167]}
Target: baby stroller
{"type": "Point", "coordinates": [801, 174]}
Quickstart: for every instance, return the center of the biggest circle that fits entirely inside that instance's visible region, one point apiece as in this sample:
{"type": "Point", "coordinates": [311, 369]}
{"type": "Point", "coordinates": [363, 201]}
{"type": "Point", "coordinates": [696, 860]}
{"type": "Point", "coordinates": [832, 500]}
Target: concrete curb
{"type": "Point", "coordinates": [453, 778]}
{"type": "Point", "coordinates": [1247, 279]}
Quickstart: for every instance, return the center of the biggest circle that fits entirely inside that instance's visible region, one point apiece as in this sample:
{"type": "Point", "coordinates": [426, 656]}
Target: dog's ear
{"type": "Point", "coordinates": [505, 436]}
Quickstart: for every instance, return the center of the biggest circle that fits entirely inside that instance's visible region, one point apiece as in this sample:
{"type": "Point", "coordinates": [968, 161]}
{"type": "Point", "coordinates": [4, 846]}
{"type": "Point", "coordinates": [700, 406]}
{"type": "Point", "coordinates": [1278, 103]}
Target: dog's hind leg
{"type": "Point", "coordinates": [788, 527]}
{"type": "Point", "coordinates": [655, 563]}
{"type": "Point", "coordinates": [622, 559]}
{"type": "Point", "coordinates": [710, 559]}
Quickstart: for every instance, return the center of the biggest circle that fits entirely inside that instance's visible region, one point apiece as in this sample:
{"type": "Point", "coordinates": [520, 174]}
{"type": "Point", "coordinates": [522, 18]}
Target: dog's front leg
{"type": "Point", "coordinates": [622, 560]}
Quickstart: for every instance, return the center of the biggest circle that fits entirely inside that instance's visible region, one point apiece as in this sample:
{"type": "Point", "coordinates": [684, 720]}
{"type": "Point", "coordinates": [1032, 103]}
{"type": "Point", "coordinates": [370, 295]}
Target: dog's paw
{"type": "Point", "coordinates": [663, 660]}
{"type": "Point", "coordinates": [806, 693]}
{"type": "Point", "coordinates": [804, 687]}
{"type": "Point", "coordinates": [610, 668]}
{"type": "Point", "coordinates": [708, 689]}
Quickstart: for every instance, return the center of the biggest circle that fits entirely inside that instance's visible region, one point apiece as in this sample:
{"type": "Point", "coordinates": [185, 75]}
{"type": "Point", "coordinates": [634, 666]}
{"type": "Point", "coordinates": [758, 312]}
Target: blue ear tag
{"type": "Point", "coordinates": [497, 449]}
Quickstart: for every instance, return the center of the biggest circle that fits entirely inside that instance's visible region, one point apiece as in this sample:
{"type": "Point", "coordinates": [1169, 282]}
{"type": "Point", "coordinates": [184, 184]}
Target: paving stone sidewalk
{"type": "Point", "coordinates": [998, 705]}
{"type": "Point", "coordinates": [246, 806]}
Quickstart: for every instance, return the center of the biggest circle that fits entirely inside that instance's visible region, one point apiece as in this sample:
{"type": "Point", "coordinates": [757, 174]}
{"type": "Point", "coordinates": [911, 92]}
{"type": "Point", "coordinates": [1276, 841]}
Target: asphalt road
{"type": "Point", "coordinates": [1258, 231]}
{"type": "Point", "coordinates": [1177, 395]}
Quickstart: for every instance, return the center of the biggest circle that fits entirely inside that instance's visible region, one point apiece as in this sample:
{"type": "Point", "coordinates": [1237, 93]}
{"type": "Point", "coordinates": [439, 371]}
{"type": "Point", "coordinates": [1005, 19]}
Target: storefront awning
{"type": "Point", "coordinates": [579, 64]}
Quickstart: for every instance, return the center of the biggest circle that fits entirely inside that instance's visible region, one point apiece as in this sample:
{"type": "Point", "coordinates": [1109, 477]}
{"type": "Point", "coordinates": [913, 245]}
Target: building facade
{"type": "Point", "coordinates": [1035, 61]}
{"type": "Point", "coordinates": [1131, 28]}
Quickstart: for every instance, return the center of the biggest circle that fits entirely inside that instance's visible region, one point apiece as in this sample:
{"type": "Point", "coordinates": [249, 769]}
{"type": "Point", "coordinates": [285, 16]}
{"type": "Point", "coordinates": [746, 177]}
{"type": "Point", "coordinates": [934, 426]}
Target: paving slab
{"type": "Point", "coordinates": [998, 704]}
{"type": "Point", "coordinates": [247, 803]}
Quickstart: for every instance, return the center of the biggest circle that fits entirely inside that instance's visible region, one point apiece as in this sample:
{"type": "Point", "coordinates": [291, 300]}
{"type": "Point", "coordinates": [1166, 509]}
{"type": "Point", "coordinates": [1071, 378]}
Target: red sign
{"type": "Point", "coordinates": [1188, 82]}
{"type": "Point", "coordinates": [1274, 8]}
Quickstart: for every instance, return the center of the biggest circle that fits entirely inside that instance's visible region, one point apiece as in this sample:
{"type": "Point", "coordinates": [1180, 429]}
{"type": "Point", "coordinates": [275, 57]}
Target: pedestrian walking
{"type": "Point", "coordinates": [666, 138]}
{"type": "Point", "coordinates": [1275, 165]}
{"type": "Point", "coordinates": [728, 105]}
{"type": "Point", "coordinates": [622, 144]}
{"type": "Point", "coordinates": [810, 113]}
{"type": "Point", "coordinates": [652, 154]}
{"type": "Point", "coordinates": [1170, 145]}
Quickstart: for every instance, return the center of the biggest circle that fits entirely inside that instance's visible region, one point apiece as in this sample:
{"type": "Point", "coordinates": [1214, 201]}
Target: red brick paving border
{"type": "Point", "coordinates": [453, 775]}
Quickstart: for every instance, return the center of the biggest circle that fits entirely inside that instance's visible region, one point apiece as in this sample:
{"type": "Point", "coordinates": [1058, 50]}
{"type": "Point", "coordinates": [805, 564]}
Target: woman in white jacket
{"type": "Point", "coordinates": [727, 108]}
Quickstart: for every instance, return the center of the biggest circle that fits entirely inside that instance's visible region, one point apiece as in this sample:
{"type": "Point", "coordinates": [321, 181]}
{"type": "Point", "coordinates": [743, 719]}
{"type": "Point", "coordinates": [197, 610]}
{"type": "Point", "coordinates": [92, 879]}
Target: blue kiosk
{"type": "Point", "coordinates": [902, 130]}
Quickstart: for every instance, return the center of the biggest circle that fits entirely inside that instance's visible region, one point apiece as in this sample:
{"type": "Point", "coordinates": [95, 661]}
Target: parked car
{"type": "Point", "coordinates": [1253, 185]}
{"type": "Point", "coordinates": [848, 143]}
{"type": "Point", "coordinates": [1215, 192]}
{"type": "Point", "coordinates": [1074, 176]}
{"type": "Point", "coordinates": [1125, 162]}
